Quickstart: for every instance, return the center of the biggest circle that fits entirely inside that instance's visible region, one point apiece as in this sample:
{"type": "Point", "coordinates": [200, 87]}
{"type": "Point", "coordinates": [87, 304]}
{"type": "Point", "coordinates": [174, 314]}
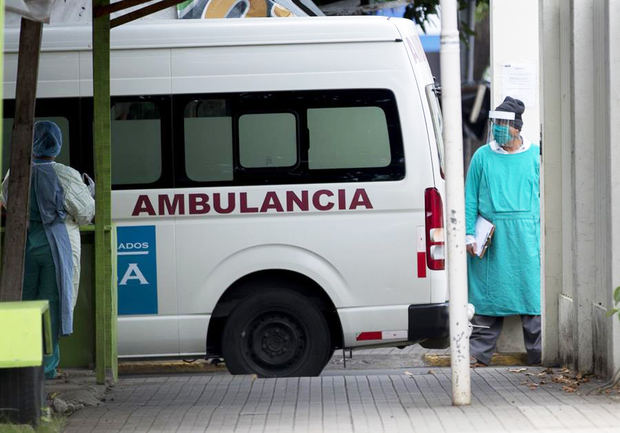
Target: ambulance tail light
{"type": "Point", "coordinates": [435, 236]}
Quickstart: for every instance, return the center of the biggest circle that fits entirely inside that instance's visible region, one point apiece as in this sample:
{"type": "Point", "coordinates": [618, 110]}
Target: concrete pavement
{"type": "Point", "coordinates": [412, 400]}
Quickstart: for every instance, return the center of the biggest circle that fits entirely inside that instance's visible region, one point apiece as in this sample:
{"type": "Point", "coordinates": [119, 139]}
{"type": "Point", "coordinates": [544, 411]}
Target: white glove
{"type": "Point", "coordinates": [90, 184]}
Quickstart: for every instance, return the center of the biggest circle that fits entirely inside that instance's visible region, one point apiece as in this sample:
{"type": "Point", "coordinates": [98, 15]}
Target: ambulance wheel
{"type": "Point", "coordinates": [276, 334]}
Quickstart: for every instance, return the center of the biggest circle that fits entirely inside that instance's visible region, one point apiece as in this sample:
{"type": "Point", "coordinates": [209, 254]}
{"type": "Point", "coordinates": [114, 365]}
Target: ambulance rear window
{"type": "Point", "coordinates": [433, 102]}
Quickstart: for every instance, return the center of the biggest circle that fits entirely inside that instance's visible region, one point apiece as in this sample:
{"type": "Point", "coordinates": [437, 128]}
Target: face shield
{"type": "Point", "coordinates": [501, 127]}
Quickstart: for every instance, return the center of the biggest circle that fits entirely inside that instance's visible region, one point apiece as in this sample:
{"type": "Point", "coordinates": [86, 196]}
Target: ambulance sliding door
{"type": "Point", "coordinates": [146, 264]}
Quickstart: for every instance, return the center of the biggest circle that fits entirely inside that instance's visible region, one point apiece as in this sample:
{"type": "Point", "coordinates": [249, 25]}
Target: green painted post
{"type": "Point", "coordinates": [105, 313]}
{"type": "Point", "coordinates": [112, 363]}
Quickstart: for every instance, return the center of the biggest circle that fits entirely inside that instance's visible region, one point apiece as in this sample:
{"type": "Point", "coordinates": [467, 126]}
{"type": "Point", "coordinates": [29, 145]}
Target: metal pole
{"type": "Point", "coordinates": [471, 40]}
{"type": "Point", "coordinates": [1, 105]}
{"type": "Point", "coordinates": [455, 203]}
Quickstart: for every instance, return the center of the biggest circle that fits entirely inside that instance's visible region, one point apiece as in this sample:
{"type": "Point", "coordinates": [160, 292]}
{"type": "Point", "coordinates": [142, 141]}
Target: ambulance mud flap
{"type": "Point", "coordinates": [429, 322]}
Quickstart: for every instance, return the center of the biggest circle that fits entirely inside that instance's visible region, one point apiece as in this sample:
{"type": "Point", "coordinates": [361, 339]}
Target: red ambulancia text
{"type": "Point", "coordinates": [287, 201]}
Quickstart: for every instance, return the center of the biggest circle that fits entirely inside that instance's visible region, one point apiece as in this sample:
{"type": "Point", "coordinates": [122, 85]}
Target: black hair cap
{"type": "Point", "coordinates": [514, 106]}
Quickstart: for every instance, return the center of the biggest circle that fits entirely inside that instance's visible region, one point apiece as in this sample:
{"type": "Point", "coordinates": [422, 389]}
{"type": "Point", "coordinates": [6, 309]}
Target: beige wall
{"type": "Point", "coordinates": [514, 46]}
{"type": "Point", "coordinates": [514, 41]}
{"type": "Point", "coordinates": [614, 160]}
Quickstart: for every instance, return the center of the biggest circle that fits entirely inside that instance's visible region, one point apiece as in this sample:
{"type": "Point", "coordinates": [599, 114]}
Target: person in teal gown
{"type": "Point", "coordinates": [502, 186]}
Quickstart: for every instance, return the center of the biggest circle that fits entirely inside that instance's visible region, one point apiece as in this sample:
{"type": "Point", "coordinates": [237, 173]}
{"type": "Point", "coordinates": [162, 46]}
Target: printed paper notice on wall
{"type": "Point", "coordinates": [520, 81]}
{"type": "Point", "coordinates": [137, 270]}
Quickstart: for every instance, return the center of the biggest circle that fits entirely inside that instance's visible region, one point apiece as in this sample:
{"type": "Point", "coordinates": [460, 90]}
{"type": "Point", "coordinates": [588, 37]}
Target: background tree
{"type": "Point", "coordinates": [420, 10]}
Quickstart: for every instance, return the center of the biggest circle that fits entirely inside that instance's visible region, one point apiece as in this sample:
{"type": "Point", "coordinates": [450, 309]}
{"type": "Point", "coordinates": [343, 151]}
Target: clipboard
{"type": "Point", "coordinates": [484, 234]}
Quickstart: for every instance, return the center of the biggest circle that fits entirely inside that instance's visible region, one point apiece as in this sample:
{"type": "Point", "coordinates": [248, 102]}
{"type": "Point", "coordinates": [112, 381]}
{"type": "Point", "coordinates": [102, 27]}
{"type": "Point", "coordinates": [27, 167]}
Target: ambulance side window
{"type": "Point", "coordinates": [287, 137]}
{"type": "Point", "coordinates": [207, 126]}
{"type": "Point", "coordinates": [348, 137]}
{"type": "Point", "coordinates": [267, 140]}
{"type": "Point", "coordinates": [136, 143]}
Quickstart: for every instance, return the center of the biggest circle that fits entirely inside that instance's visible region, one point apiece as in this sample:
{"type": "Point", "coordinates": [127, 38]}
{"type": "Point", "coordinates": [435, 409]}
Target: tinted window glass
{"type": "Point", "coordinates": [287, 137]}
{"type": "Point", "coordinates": [136, 143]}
{"type": "Point", "coordinates": [7, 129]}
{"type": "Point", "coordinates": [267, 140]}
{"type": "Point", "coordinates": [348, 137]}
{"type": "Point", "coordinates": [433, 102]}
{"type": "Point", "coordinates": [208, 140]}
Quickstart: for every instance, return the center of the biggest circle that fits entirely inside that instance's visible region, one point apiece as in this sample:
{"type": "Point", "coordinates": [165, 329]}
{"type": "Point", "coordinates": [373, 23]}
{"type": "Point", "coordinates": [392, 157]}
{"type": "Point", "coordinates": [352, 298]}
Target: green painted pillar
{"type": "Point", "coordinates": [105, 283]}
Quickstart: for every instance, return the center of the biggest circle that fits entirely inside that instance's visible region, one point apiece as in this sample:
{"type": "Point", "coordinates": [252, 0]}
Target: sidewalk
{"type": "Point", "coordinates": [416, 400]}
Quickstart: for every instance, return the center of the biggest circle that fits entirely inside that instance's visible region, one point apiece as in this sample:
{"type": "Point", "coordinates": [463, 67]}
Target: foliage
{"type": "Point", "coordinates": [420, 10]}
{"type": "Point", "coordinates": [54, 424]}
{"type": "Point", "coordinates": [615, 310]}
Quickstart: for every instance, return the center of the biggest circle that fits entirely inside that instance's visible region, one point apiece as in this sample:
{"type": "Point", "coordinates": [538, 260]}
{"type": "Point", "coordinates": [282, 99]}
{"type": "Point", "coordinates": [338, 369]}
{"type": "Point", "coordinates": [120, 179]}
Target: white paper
{"type": "Point", "coordinates": [520, 81]}
{"type": "Point", "coordinates": [483, 229]}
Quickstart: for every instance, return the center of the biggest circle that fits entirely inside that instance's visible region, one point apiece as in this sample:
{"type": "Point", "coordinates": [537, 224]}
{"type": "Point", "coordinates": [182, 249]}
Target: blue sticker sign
{"type": "Point", "coordinates": [137, 270]}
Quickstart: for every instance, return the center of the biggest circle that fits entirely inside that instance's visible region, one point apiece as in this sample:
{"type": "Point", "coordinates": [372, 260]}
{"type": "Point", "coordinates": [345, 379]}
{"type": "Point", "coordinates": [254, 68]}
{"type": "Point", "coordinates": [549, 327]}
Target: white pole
{"type": "Point", "coordinates": [471, 40]}
{"type": "Point", "coordinates": [455, 203]}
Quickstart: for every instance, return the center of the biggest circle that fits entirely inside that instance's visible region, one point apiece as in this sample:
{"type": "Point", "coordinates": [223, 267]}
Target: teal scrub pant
{"type": "Point", "coordinates": [40, 284]}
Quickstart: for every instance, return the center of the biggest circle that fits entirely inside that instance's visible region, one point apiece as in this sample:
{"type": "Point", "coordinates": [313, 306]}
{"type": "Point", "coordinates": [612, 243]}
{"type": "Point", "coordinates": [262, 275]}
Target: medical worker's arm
{"type": "Point", "coordinates": [472, 185]}
{"type": "Point", "coordinates": [5, 189]}
{"type": "Point", "coordinates": [78, 201]}
{"type": "Point", "coordinates": [537, 183]}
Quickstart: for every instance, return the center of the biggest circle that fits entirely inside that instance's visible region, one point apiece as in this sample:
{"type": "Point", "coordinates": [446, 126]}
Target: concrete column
{"type": "Point", "coordinates": [551, 175]}
{"type": "Point", "coordinates": [613, 76]}
{"type": "Point", "coordinates": [592, 193]}
{"type": "Point", "coordinates": [602, 343]}
{"type": "Point", "coordinates": [567, 322]}
{"type": "Point", "coordinates": [581, 186]}
{"type": "Point", "coordinates": [583, 165]}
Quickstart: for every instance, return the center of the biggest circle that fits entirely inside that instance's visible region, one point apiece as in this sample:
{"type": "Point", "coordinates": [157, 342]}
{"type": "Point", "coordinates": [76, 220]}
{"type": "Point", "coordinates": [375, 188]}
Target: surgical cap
{"type": "Point", "coordinates": [514, 106]}
{"type": "Point", "coordinates": [47, 139]}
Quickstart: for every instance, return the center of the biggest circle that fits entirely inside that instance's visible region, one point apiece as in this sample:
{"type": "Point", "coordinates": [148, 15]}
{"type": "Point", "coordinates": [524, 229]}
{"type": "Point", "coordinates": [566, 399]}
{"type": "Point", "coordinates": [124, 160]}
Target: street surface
{"type": "Point", "coordinates": [383, 358]}
{"type": "Point", "coordinates": [362, 398]}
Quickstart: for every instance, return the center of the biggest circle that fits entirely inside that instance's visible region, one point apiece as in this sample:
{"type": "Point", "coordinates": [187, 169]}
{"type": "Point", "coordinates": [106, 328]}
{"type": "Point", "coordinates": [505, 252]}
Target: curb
{"type": "Point", "coordinates": [504, 359]}
{"type": "Point", "coordinates": [169, 366]}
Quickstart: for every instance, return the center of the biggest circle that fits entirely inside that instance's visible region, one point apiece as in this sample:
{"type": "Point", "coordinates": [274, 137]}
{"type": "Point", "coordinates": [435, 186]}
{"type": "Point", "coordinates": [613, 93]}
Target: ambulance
{"type": "Point", "coordinates": [277, 184]}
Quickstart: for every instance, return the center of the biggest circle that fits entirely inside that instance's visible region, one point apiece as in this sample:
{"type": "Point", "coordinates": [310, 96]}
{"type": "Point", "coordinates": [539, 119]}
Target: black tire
{"type": "Point", "coordinates": [436, 343]}
{"type": "Point", "coordinates": [276, 333]}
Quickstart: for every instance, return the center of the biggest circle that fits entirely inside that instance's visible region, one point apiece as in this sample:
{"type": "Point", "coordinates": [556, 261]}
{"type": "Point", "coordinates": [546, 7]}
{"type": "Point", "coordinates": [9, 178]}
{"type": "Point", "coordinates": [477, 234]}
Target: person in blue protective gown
{"type": "Point", "coordinates": [503, 186]}
{"type": "Point", "coordinates": [59, 201]}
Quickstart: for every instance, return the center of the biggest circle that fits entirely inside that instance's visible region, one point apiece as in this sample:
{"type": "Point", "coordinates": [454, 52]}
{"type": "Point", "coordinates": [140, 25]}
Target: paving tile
{"type": "Point", "coordinates": [419, 401]}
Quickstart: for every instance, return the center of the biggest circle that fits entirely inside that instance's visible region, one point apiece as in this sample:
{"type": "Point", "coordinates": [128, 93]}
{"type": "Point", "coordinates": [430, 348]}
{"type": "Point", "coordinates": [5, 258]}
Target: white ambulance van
{"type": "Point", "coordinates": [277, 184]}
